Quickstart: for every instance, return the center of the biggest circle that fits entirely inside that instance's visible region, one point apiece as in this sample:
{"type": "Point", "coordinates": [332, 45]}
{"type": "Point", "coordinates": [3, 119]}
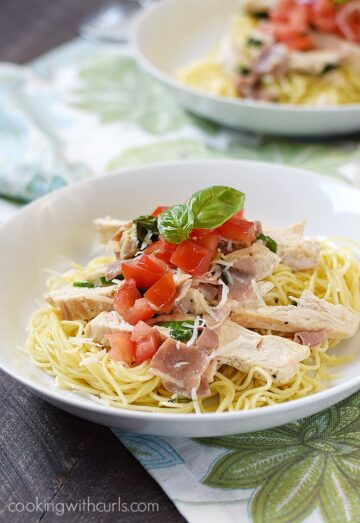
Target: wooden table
{"type": "Point", "coordinates": [45, 454]}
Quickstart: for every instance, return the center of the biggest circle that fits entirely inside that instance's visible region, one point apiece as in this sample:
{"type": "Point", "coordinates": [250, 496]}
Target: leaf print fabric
{"type": "Point", "coordinates": [295, 469]}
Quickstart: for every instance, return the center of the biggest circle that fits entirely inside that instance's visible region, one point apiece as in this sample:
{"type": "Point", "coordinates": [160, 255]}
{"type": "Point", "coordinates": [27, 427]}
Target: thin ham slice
{"type": "Point", "coordinates": [208, 340]}
{"type": "Point", "coordinates": [311, 338]}
{"type": "Point", "coordinates": [181, 368]}
{"type": "Point", "coordinates": [242, 272]}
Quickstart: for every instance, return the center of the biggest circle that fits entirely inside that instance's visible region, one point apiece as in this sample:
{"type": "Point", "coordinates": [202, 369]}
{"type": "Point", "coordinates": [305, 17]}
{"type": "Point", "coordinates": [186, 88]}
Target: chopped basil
{"type": "Point", "coordinates": [83, 283]}
{"type": "Point", "coordinates": [213, 206]}
{"type": "Point", "coordinates": [269, 242]}
{"type": "Point", "coordinates": [226, 276]}
{"type": "Point", "coordinates": [260, 16]}
{"type": "Point", "coordinates": [243, 69]}
{"type": "Point", "coordinates": [179, 331]}
{"type": "Point", "coordinates": [255, 42]}
{"type": "Point", "coordinates": [176, 223]}
{"type": "Point", "coordinates": [328, 68]}
{"type": "Point", "coordinates": [144, 225]}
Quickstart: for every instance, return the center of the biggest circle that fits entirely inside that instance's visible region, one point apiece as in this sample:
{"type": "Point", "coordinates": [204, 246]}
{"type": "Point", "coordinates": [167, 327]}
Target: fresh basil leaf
{"type": "Point", "coordinates": [328, 68]}
{"type": "Point", "coordinates": [213, 206]}
{"type": "Point", "coordinates": [83, 283]}
{"type": "Point", "coordinates": [226, 276]}
{"type": "Point", "coordinates": [269, 242]}
{"type": "Point", "coordinates": [255, 42]}
{"type": "Point", "coordinates": [144, 225]}
{"type": "Point", "coordinates": [177, 329]}
{"type": "Point", "coordinates": [176, 223]}
{"type": "Point", "coordinates": [243, 69]}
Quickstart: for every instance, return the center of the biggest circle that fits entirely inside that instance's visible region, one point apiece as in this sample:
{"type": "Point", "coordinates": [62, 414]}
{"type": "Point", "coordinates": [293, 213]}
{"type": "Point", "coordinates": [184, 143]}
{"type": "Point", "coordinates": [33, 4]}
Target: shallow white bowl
{"type": "Point", "coordinates": [173, 33]}
{"type": "Point", "coordinates": [58, 228]}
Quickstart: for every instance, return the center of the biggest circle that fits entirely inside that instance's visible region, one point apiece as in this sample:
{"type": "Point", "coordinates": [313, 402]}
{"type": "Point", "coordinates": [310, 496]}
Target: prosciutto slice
{"type": "Point", "coordinates": [181, 368]}
{"type": "Point", "coordinates": [311, 338]}
{"type": "Point", "coordinates": [208, 340]}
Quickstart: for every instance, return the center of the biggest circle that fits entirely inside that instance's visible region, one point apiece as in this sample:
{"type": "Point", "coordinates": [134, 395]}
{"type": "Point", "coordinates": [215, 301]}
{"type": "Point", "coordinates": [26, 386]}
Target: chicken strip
{"type": "Point", "coordinates": [265, 261]}
{"type": "Point", "coordinates": [311, 314]}
{"type": "Point", "coordinates": [107, 227]}
{"type": "Point", "coordinates": [106, 323]}
{"type": "Point", "coordinates": [74, 303]}
{"type": "Point", "coordinates": [295, 251]}
{"type": "Point", "coordinates": [245, 349]}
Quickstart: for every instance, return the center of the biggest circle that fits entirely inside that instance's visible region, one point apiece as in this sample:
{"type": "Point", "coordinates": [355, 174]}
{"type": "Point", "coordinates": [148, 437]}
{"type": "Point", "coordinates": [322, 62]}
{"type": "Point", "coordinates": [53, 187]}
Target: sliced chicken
{"type": "Point", "coordinates": [310, 314]}
{"type": "Point", "coordinates": [245, 349]}
{"type": "Point", "coordinates": [75, 303]}
{"type": "Point", "coordinates": [265, 260]}
{"type": "Point", "coordinates": [350, 51]}
{"type": "Point", "coordinates": [127, 246]}
{"type": "Point", "coordinates": [183, 370]}
{"type": "Point", "coordinates": [108, 227]}
{"type": "Point", "coordinates": [194, 302]}
{"type": "Point", "coordinates": [106, 323]}
{"type": "Point", "coordinates": [313, 62]}
{"type": "Point", "coordinates": [295, 251]}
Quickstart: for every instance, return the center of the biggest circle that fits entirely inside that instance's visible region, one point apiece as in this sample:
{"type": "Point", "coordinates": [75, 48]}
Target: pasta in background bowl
{"type": "Point", "coordinates": [62, 223]}
{"type": "Point", "coordinates": [232, 67]}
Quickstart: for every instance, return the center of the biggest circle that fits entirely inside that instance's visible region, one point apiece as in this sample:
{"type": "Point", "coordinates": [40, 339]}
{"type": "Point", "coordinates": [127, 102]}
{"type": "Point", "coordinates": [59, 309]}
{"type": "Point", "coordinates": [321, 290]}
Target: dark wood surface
{"type": "Point", "coordinates": [46, 454]}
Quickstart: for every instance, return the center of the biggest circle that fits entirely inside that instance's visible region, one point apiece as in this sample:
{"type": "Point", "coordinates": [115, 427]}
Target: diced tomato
{"type": "Point", "coordinates": [130, 305]}
{"type": "Point", "coordinates": [141, 331]}
{"type": "Point", "coordinates": [159, 210]}
{"type": "Point", "coordinates": [146, 270]}
{"type": "Point", "coordinates": [161, 295]}
{"type": "Point", "coordinates": [239, 214]}
{"type": "Point", "coordinates": [161, 249]}
{"type": "Point", "coordinates": [238, 231]}
{"type": "Point", "coordinates": [147, 341]}
{"type": "Point", "coordinates": [122, 347]}
{"type": "Point", "coordinates": [192, 258]}
{"type": "Point", "coordinates": [206, 238]}
{"type": "Point", "coordinates": [301, 42]}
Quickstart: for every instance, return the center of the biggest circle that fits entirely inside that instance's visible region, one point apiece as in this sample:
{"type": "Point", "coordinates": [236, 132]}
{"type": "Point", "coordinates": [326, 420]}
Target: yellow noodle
{"type": "Point", "coordinates": [60, 349]}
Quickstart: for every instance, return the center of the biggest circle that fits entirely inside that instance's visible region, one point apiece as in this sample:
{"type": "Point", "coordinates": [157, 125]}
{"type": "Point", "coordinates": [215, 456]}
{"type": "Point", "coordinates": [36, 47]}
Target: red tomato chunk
{"type": "Point", "coordinates": [145, 270]}
{"type": "Point", "coordinates": [122, 347]}
{"type": "Point", "coordinates": [130, 305]}
{"type": "Point", "coordinates": [161, 295]}
{"type": "Point", "coordinates": [192, 258]}
{"type": "Point", "coordinates": [238, 230]}
{"type": "Point", "coordinates": [147, 341]}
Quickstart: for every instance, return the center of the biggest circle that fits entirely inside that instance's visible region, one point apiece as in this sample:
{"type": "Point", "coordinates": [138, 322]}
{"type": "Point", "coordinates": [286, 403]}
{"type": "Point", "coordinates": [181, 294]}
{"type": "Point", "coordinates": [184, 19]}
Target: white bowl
{"type": "Point", "coordinates": [173, 33]}
{"type": "Point", "coordinates": [58, 228]}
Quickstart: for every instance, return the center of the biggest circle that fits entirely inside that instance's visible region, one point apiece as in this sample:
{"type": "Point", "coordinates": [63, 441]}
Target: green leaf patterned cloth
{"type": "Point", "coordinates": [307, 471]}
{"type": "Point", "coordinates": [85, 109]}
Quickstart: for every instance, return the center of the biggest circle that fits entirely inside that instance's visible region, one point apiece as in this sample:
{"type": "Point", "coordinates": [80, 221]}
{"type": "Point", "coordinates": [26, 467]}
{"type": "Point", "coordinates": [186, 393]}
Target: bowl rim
{"type": "Point", "coordinates": [60, 395]}
{"type": "Point", "coordinates": [170, 81]}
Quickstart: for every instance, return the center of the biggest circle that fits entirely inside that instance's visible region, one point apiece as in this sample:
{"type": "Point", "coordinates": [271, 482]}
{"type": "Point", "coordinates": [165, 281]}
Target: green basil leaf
{"type": "Point", "coordinates": [328, 68]}
{"type": "Point", "coordinates": [144, 225]}
{"type": "Point", "coordinates": [213, 206]}
{"type": "Point", "coordinates": [269, 242]}
{"type": "Point", "coordinates": [177, 329]}
{"type": "Point", "coordinates": [256, 42]}
{"type": "Point", "coordinates": [84, 283]}
{"type": "Point", "coordinates": [176, 223]}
